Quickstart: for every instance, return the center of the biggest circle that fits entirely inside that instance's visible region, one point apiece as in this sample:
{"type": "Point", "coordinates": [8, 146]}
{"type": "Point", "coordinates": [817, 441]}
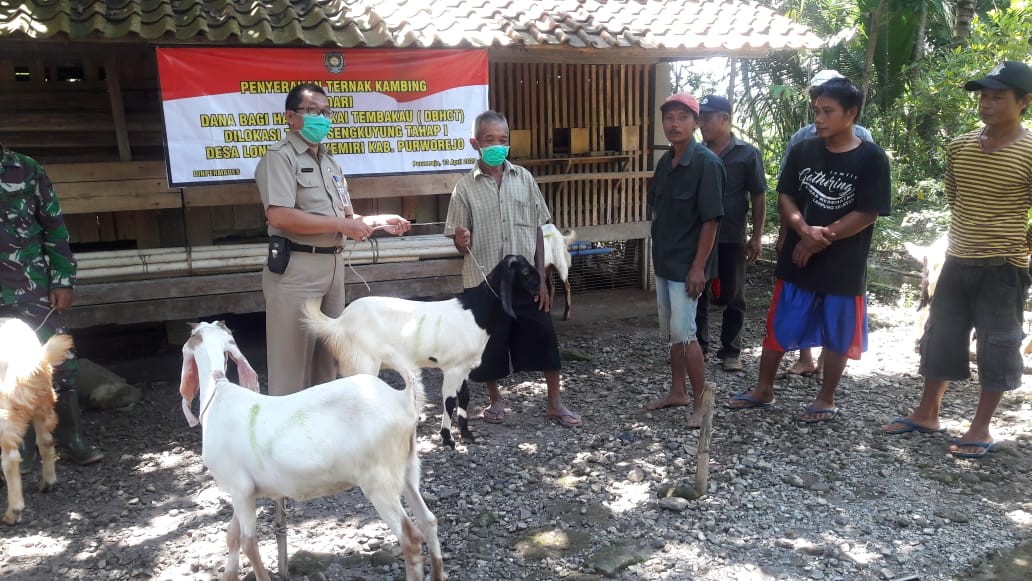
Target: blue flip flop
{"type": "Point", "coordinates": [986, 447]}
{"type": "Point", "coordinates": [911, 426]}
{"type": "Point", "coordinates": [750, 402]}
{"type": "Point", "coordinates": [831, 414]}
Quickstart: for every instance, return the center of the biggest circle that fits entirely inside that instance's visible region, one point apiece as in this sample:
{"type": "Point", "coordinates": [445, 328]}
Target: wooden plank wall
{"type": "Point", "coordinates": [543, 98]}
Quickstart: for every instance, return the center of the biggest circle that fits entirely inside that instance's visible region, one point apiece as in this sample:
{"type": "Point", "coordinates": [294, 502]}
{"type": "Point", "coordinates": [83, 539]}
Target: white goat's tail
{"type": "Point", "coordinates": [351, 357]}
{"type": "Point", "coordinates": [55, 350]}
{"type": "Point", "coordinates": [414, 382]}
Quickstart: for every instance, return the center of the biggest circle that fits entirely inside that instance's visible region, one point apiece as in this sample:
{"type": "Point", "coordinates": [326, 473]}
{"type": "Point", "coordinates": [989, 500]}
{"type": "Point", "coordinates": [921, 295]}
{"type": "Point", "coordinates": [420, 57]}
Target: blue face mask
{"type": "Point", "coordinates": [494, 155]}
{"type": "Point", "coordinates": [315, 129]}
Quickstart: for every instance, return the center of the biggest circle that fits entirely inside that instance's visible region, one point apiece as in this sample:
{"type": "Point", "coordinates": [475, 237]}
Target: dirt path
{"type": "Point", "coordinates": [534, 500]}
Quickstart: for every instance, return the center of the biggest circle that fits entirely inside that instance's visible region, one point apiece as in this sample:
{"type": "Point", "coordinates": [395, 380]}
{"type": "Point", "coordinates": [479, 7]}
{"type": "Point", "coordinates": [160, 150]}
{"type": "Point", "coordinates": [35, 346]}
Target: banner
{"type": "Point", "coordinates": [394, 110]}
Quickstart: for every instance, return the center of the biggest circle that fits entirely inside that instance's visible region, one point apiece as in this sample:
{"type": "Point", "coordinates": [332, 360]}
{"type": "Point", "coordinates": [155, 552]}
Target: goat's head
{"type": "Point", "coordinates": [211, 338]}
{"type": "Point", "coordinates": [932, 259]}
{"type": "Point", "coordinates": [513, 269]}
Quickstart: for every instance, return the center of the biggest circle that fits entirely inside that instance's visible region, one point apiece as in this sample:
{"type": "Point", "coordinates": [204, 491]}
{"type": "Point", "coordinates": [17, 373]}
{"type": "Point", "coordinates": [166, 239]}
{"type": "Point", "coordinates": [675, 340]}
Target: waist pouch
{"type": "Point", "coordinates": [279, 254]}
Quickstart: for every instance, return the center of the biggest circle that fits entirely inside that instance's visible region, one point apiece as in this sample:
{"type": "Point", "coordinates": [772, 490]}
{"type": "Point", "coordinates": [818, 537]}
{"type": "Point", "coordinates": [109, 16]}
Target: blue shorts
{"type": "Point", "coordinates": [800, 319]}
{"type": "Point", "coordinates": [676, 311]}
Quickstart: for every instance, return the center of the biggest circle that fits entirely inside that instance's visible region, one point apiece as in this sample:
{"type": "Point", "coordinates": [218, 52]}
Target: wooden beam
{"type": "Point", "coordinates": [581, 177]}
{"type": "Point", "coordinates": [105, 171]}
{"type": "Point", "coordinates": [217, 284]}
{"type": "Point", "coordinates": [117, 108]}
{"type": "Point", "coordinates": [614, 232]}
{"type": "Point", "coordinates": [117, 196]}
{"type": "Point", "coordinates": [604, 56]}
{"type": "Point", "coordinates": [199, 307]}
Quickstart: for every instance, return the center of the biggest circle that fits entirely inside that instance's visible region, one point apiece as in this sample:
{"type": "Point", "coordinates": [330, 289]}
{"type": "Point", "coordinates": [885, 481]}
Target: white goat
{"type": "Point", "coordinates": [27, 397]}
{"type": "Point", "coordinates": [357, 431]}
{"type": "Point", "coordinates": [408, 335]}
{"type": "Point", "coordinates": [557, 258]}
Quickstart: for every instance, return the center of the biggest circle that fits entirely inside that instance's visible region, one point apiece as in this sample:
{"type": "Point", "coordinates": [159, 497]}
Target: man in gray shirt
{"type": "Point", "coordinates": [746, 184]}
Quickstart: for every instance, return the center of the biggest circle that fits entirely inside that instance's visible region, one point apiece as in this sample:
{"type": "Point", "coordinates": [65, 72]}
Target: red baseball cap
{"type": "Point", "coordinates": [683, 99]}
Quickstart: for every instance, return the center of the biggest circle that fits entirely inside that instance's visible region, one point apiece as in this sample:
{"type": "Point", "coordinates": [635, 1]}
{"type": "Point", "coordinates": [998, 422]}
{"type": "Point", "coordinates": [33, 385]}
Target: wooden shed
{"type": "Point", "coordinates": [578, 79]}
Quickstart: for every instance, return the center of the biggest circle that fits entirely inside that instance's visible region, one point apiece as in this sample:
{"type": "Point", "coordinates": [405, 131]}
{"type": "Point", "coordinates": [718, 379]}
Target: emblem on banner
{"type": "Point", "coordinates": [334, 62]}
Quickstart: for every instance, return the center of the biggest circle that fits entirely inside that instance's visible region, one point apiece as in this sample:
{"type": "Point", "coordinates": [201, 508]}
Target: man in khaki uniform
{"type": "Point", "coordinates": [306, 203]}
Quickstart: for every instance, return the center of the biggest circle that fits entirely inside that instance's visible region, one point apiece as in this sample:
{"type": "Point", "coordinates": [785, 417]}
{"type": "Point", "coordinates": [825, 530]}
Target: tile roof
{"type": "Point", "coordinates": [672, 25]}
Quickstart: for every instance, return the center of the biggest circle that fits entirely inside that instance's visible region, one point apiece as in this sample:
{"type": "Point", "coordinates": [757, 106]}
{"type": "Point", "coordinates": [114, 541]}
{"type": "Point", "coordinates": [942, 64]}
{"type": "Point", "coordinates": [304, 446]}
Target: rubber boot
{"type": "Point", "coordinates": [29, 454]}
{"type": "Point", "coordinates": [70, 442]}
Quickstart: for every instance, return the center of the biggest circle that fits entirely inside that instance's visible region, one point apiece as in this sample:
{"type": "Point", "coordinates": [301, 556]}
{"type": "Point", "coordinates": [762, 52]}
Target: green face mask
{"type": "Point", "coordinates": [315, 129]}
{"type": "Point", "coordinates": [494, 155]}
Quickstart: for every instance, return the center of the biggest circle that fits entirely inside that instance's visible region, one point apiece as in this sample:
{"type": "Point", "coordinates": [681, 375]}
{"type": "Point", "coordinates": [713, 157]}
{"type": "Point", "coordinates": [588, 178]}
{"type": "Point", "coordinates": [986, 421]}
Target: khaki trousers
{"type": "Point", "coordinates": [296, 358]}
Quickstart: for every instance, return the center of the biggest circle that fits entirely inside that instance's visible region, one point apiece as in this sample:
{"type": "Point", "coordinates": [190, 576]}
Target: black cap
{"type": "Point", "coordinates": [715, 104]}
{"type": "Point", "coordinates": [1006, 75]}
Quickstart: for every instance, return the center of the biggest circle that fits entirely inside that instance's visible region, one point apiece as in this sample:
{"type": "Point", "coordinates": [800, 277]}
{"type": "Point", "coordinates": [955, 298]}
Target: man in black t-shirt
{"type": "Point", "coordinates": [831, 191]}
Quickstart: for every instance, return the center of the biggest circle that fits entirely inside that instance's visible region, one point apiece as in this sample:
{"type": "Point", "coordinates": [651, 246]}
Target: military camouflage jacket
{"type": "Point", "coordinates": [34, 252]}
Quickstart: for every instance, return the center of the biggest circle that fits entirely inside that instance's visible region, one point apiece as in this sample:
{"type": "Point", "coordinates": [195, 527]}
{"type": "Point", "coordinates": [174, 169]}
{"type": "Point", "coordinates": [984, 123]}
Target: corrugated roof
{"type": "Point", "coordinates": [700, 25]}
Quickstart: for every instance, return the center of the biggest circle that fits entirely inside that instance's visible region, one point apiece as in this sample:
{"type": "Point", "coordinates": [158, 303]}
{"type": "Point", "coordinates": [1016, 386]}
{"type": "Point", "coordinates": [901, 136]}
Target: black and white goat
{"type": "Point", "coordinates": [557, 258]}
{"type": "Point", "coordinates": [403, 335]}
{"type": "Point", "coordinates": [357, 431]}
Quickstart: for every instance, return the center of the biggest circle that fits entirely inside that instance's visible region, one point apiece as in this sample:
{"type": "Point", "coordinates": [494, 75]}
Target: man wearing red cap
{"type": "Point", "coordinates": [685, 201]}
{"type": "Point", "coordinates": [985, 278]}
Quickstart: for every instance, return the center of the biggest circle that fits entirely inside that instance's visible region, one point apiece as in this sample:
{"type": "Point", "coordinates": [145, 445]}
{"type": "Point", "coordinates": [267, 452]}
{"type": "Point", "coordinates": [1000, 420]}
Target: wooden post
{"type": "Point", "coordinates": [114, 88]}
{"type": "Point", "coordinates": [281, 538]}
{"type": "Point", "coordinates": [705, 435]}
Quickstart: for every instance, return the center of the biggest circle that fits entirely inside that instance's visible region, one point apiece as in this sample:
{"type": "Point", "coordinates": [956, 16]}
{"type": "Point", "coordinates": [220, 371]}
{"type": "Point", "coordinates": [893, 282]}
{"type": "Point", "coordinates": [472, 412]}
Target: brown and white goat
{"type": "Point", "coordinates": [557, 258]}
{"type": "Point", "coordinates": [27, 398]}
{"type": "Point", "coordinates": [356, 431]}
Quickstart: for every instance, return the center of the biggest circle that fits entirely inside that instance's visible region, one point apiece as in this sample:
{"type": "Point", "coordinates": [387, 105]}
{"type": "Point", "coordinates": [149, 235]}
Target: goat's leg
{"type": "Point", "coordinates": [243, 510]}
{"type": "Point", "coordinates": [449, 389]}
{"type": "Point", "coordinates": [10, 459]}
{"type": "Point", "coordinates": [569, 299]}
{"type": "Point", "coordinates": [387, 502]}
{"type": "Point", "coordinates": [425, 520]}
{"type": "Point", "coordinates": [549, 283]}
{"type": "Point", "coordinates": [48, 455]}
{"type": "Point", "coordinates": [464, 432]}
{"type": "Point", "coordinates": [232, 568]}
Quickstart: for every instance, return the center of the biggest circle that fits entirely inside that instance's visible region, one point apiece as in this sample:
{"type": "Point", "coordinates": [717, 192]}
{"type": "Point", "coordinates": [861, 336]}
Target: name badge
{"type": "Point", "coordinates": [342, 192]}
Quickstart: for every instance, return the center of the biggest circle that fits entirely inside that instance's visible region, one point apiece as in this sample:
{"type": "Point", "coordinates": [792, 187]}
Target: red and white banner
{"type": "Point", "coordinates": [395, 110]}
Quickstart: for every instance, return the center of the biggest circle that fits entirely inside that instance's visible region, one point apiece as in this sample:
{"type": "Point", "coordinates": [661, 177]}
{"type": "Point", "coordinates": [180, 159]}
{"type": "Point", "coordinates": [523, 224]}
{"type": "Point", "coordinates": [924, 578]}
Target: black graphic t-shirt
{"type": "Point", "coordinates": [826, 186]}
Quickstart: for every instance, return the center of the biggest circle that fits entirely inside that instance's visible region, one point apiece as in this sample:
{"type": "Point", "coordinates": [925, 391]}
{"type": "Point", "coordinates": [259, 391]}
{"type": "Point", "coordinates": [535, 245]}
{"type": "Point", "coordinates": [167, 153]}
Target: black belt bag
{"type": "Point", "coordinates": [279, 254]}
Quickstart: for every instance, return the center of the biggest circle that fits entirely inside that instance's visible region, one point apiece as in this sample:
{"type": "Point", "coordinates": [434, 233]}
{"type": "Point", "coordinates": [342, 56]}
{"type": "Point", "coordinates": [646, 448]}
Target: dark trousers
{"type": "Point", "coordinates": [731, 272]}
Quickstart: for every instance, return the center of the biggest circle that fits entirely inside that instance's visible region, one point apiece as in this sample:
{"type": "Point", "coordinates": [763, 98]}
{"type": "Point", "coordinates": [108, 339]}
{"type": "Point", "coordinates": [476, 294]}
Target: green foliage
{"type": "Point", "coordinates": [915, 82]}
{"type": "Point", "coordinates": [935, 106]}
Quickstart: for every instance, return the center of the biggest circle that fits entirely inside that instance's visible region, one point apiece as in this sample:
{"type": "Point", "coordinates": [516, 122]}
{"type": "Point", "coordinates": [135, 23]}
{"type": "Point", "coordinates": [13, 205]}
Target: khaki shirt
{"type": "Point", "coordinates": [502, 219]}
{"type": "Point", "coordinates": [288, 176]}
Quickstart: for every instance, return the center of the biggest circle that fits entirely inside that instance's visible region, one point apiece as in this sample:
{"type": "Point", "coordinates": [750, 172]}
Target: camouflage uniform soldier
{"type": "Point", "coordinates": [37, 273]}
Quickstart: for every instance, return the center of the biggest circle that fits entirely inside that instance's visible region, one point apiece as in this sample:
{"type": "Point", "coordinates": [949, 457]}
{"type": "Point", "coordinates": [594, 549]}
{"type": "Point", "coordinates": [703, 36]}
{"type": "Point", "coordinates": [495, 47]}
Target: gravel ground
{"type": "Point", "coordinates": [534, 500]}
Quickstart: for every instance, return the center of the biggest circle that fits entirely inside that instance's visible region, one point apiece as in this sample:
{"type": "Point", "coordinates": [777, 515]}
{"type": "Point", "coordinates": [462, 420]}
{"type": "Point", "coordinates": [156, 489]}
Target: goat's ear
{"type": "Point", "coordinates": [193, 326]}
{"type": "Point", "coordinates": [505, 288]}
{"type": "Point", "coordinates": [246, 374]}
{"type": "Point", "coordinates": [189, 385]}
{"type": "Point", "coordinates": [222, 325]}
